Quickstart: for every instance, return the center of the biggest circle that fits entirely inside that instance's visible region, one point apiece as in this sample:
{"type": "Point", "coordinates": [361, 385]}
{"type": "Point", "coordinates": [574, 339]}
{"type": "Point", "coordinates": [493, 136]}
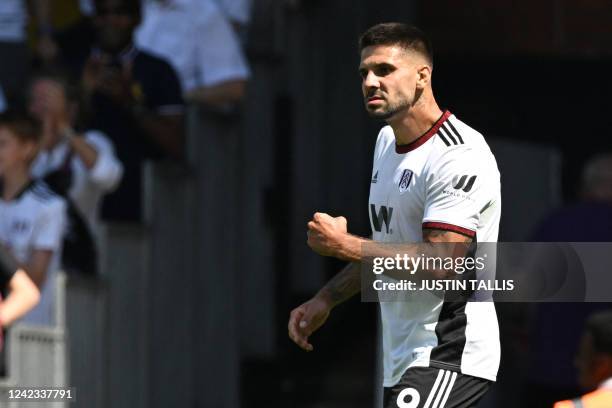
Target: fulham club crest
{"type": "Point", "coordinates": [405, 181]}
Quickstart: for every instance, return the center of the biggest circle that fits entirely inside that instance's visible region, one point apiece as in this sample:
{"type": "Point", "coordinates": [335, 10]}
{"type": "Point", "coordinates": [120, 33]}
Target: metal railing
{"type": "Point", "coordinates": [37, 356]}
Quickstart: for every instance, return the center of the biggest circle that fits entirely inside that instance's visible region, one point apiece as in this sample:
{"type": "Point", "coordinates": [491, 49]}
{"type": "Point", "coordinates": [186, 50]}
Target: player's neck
{"type": "Point", "coordinates": [417, 120]}
{"type": "Point", "coordinates": [13, 182]}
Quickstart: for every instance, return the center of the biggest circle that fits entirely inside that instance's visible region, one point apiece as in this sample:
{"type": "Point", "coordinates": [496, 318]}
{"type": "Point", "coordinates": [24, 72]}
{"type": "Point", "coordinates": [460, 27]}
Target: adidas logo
{"type": "Point", "coordinates": [375, 178]}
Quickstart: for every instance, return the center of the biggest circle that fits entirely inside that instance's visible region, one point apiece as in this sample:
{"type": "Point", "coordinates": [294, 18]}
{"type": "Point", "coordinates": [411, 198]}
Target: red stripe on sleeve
{"type": "Point", "coordinates": [450, 227]}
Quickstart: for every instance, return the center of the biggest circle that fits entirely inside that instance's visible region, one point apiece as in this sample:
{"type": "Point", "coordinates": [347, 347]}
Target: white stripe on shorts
{"type": "Point", "coordinates": [441, 390]}
{"type": "Point", "coordinates": [433, 389]}
{"type": "Point", "coordinates": [448, 390]}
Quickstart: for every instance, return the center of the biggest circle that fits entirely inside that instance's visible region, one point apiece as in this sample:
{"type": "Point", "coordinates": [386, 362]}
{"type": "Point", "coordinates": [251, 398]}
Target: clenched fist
{"type": "Point", "coordinates": [326, 233]}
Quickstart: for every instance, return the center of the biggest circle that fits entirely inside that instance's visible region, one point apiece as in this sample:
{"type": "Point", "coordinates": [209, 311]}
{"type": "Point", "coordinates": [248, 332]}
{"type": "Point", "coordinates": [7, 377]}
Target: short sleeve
{"type": "Point", "coordinates": [219, 53]}
{"type": "Point", "coordinates": [457, 188]}
{"type": "Point", "coordinates": [108, 170]}
{"type": "Point", "coordinates": [50, 226]}
{"type": "Point", "coordinates": [165, 96]}
{"type": "Point", "coordinates": [237, 10]}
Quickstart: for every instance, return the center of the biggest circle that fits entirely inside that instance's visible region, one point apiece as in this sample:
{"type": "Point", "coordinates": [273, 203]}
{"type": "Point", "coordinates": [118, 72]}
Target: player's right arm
{"type": "Point", "coordinates": [309, 316]}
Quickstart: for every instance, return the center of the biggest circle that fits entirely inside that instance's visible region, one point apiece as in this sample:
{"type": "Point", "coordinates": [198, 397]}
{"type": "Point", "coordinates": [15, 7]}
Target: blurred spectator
{"type": "Point", "coordinates": [87, 7]}
{"type": "Point", "coordinates": [13, 20]}
{"type": "Point", "coordinates": [556, 326]}
{"type": "Point", "coordinates": [32, 217]}
{"type": "Point", "coordinates": [21, 296]}
{"type": "Point", "coordinates": [133, 97]}
{"type": "Point", "coordinates": [594, 363]}
{"type": "Point", "coordinates": [238, 12]}
{"type": "Point", "coordinates": [22, 293]}
{"type": "Point", "coordinates": [597, 179]}
{"type": "Point", "coordinates": [3, 104]}
{"type": "Point", "coordinates": [13, 36]}
{"type": "Point", "coordinates": [74, 41]}
{"type": "Point", "coordinates": [81, 167]}
{"type": "Point", "coordinates": [201, 45]}
{"type": "Point", "coordinates": [589, 220]}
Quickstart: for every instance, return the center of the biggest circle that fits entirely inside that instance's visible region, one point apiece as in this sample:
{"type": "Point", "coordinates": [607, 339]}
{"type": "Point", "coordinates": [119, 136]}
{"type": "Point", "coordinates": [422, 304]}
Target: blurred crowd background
{"type": "Point", "coordinates": [190, 141]}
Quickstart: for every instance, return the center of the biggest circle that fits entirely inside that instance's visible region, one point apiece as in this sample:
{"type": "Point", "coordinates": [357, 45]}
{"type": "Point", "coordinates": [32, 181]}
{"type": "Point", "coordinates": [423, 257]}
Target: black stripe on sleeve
{"type": "Point", "coordinates": [443, 138]}
{"type": "Point", "coordinates": [448, 134]}
{"type": "Point", "coordinates": [455, 130]}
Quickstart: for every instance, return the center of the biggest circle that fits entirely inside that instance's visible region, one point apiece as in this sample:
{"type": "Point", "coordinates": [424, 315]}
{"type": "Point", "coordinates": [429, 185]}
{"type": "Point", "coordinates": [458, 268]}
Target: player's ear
{"type": "Point", "coordinates": [423, 76]}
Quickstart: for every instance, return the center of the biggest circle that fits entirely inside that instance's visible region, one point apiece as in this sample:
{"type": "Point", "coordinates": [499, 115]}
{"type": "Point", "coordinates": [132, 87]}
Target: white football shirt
{"type": "Point", "coordinates": [88, 185]}
{"type": "Point", "coordinates": [35, 220]}
{"type": "Point", "coordinates": [446, 179]}
{"type": "Point", "coordinates": [13, 20]}
{"type": "Point", "coordinates": [196, 39]}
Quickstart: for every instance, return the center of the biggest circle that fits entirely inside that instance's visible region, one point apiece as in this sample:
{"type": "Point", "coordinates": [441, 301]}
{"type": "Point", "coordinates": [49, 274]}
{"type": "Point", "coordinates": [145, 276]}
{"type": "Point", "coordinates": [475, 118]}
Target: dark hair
{"type": "Point", "coordinates": [62, 77]}
{"type": "Point", "coordinates": [71, 88]}
{"type": "Point", "coordinates": [599, 326]}
{"type": "Point", "coordinates": [407, 36]}
{"type": "Point", "coordinates": [22, 125]}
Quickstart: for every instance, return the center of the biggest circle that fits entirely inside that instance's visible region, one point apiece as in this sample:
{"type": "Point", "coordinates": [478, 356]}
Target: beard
{"type": "Point", "coordinates": [386, 112]}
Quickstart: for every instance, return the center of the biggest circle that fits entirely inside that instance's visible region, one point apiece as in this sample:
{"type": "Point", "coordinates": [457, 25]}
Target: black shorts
{"type": "Point", "coordinates": [425, 387]}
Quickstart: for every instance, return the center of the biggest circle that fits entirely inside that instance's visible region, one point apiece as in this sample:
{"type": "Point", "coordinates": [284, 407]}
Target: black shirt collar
{"type": "Point", "coordinates": [126, 56]}
{"type": "Point", "coordinates": [21, 192]}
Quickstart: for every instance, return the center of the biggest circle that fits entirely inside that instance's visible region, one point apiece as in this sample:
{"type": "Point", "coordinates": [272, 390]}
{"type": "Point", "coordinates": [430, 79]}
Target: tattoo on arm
{"type": "Point", "coordinates": [443, 244]}
{"type": "Point", "coordinates": [347, 283]}
{"type": "Point", "coordinates": [437, 235]}
{"type": "Point", "coordinates": [344, 284]}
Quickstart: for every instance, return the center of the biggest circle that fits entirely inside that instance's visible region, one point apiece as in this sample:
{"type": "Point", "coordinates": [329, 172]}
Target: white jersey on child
{"type": "Point", "coordinates": [35, 220]}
